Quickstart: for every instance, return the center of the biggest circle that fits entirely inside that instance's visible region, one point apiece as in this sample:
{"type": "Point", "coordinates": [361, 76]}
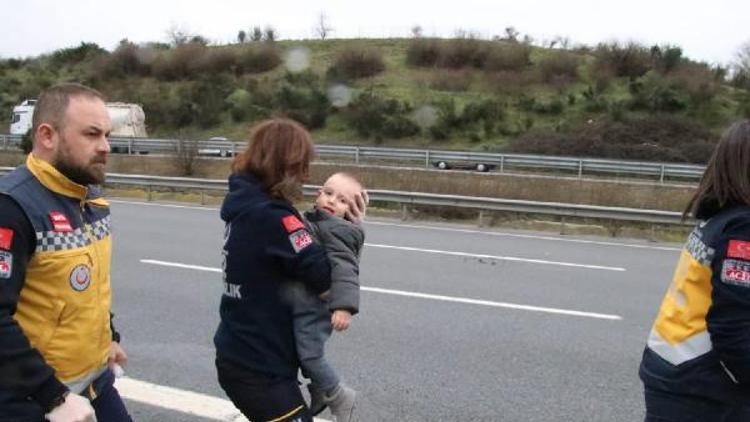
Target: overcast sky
{"type": "Point", "coordinates": [706, 30]}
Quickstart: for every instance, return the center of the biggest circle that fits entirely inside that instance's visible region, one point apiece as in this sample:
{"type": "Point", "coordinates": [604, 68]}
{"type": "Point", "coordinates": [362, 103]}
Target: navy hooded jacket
{"type": "Point", "coordinates": [265, 245]}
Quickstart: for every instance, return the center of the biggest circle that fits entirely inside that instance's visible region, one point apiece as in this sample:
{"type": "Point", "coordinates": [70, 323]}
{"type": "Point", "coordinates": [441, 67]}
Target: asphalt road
{"type": "Point", "coordinates": [456, 324]}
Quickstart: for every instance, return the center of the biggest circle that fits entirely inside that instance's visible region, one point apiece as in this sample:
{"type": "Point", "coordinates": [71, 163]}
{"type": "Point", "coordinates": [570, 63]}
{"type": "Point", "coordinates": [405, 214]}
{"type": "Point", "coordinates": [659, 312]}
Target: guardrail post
{"type": "Point", "coordinates": [356, 155]}
{"type": "Point", "coordinates": [130, 146]}
{"type": "Point", "coordinates": [502, 163]}
{"type": "Point", "coordinates": [148, 193]}
{"type": "Point", "coordinates": [203, 198]}
{"type": "Point", "coordinates": [661, 175]}
{"type": "Point", "coordinates": [427, 159]}
{"type": "Point", "coordinates": [480, 219]}
{"type": "Point", "coordinates": [562, 225]}
{"type": "Point", "coordinates": [404, 212]}
{"type": "Point", "coordinates": [580, 169]}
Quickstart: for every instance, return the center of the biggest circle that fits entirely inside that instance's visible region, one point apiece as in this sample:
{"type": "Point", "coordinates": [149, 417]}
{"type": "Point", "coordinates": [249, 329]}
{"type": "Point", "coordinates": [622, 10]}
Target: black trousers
{"type": "Point", "coordinates": [662, 406]}
{"type": "Point", "coordinates": [261, 397]}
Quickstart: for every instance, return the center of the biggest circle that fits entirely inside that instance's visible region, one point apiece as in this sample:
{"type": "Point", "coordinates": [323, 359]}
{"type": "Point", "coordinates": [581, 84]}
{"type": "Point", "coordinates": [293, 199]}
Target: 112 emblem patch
{"type": "Point", "coordinates": [6, 264]}
{"type": "Point", "coordinates": [736, 272]}
{"type": "Point", "coordinates": [300, 240]}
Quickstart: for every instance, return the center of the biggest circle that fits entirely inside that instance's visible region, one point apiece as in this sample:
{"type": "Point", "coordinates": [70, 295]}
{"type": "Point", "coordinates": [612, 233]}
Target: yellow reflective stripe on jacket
{"type": "Point", "coordinates": [680, 332]}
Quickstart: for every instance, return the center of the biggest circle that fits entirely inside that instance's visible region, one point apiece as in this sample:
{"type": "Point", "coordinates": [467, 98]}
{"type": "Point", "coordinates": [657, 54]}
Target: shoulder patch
{"type": "Point", "coordinates": [60, 222]}
{"type": "Point", "coordinates": [300, 240]}
{"type": "Point", "coordinates": [739, 249]}
{"type": "Point", "coordinates": [736, 272]}
{"type": "Point", "coordinates": [292, 224]}
{"type": "Point", "coordinates": [6, 238]}
{"type": "Point", "coordinates": [6, 264]}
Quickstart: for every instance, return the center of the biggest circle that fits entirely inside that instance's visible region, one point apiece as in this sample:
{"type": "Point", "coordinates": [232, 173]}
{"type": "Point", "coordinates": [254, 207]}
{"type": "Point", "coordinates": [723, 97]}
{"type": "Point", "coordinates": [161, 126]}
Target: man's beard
{"type": "Point", "coordinates": [83, 175]}
{"type": "Point", "coordinates": [79, 174]}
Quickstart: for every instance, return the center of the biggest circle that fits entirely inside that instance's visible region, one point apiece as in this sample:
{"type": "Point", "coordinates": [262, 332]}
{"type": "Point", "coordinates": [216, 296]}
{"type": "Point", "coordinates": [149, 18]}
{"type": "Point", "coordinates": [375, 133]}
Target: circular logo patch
{"type": "Point", "coordinates": [80, 278]}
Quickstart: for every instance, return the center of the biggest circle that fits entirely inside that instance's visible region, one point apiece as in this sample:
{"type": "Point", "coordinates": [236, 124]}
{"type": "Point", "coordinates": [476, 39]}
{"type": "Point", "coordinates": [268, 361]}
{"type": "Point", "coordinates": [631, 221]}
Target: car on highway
{"type": "Point", "coordinates": [463, 165]}
{"type": "Point", "coordinates": [220, 147]}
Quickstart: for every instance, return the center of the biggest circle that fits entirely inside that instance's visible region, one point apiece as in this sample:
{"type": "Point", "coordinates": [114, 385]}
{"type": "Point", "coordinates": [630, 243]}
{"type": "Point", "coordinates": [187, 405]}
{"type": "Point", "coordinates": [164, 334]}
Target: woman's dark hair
{"type": "Point", "coordinates": [726, 181]}
{"type": "Point", "coordinates": [278, 154]}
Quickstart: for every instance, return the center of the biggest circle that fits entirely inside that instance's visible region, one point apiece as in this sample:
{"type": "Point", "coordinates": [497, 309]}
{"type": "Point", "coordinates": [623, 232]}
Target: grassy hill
{"type": "Point", "coordinates": [613, 100]}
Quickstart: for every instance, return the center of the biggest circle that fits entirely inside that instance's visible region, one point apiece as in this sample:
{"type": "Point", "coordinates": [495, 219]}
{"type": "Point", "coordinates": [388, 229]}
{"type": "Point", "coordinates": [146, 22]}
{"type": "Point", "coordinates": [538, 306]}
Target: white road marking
{"type": "Point", "coordinates": [497, 257]}
{"type": "Point", "coordinates": [523, 236]}
{"type": "Point", "coordinates": [448, 229]}
{"type": "Point", "coordinates": [183, 401]}
{"type": "Point", "coordinates": [425, 295]}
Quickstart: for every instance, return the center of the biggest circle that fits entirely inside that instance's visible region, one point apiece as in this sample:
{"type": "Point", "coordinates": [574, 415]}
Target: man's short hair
{"type": "Point", "coordinates": [53, 102]}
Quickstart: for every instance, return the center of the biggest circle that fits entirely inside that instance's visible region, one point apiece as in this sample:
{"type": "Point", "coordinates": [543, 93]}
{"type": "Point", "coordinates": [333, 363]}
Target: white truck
{"type": "Point", "coordinates": [128, 120]}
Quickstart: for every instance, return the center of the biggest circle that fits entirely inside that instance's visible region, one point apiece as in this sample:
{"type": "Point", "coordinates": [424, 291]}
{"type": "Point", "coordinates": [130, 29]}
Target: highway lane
{"type": "Point", "coordinates": [417, 359]}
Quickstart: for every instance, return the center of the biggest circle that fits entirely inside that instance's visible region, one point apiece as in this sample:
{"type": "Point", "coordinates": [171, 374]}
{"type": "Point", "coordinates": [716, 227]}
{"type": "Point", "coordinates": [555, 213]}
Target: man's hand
{"type": "Point", "coordinates": [341, 319]}
{"type": "Point", "coordinates": [358, 208]}
{"type": "Point", "coordinates": [74, 409]}
{"type": "Point", "coordinates": [116, 356]}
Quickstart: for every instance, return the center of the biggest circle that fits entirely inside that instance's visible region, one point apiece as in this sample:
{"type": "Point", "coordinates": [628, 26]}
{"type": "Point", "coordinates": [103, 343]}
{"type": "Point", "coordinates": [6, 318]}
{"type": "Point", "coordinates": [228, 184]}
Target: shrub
{"type": "Point", "coordinates": [657, 137]}
{"type": "Point", "coordinates": [666, 58]}
{"type": "Point", "coordinates": [465, 51]}
{"type": "Point", "coordinates": [559, 67]}
{"type": "Point", "coordinates": [258, 57]}
{"type": "Point", "coordinates": [182, 62]}
{"type": "Point", "coordinates": [371, 115]}
{"type": "Point", "coordinates": [656, 93]}
{"type": "Point", "coordinates": [240, 104]}
{"type": "Point", "coordinates": [505, 56]}
{"type": "Point", "coordinates": [73, 55]}
{"type": "Point", "coordinates": [355, 63]}
{"type": "Point", "coordinates": [423, 52]}
{"type": "Point", "coordinates": [307, 105]}
{"type": "Point", "coordinates": [630, 60]}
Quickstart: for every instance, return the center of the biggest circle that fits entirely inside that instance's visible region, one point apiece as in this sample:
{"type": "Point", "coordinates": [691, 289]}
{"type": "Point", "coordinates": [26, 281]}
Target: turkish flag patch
{"type": "Point", "coordinates": [60, 222]}
{"type": "Point", "coordinates": [292, 223]}
{"type": "Point", "coordinates": [6, 238]}
{"type": "Point", "coordinates": [739, 249]}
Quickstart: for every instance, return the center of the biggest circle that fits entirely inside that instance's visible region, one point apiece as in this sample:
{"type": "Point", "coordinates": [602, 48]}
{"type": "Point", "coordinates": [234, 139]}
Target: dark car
{"type": "Point", "coordinates": [463, 165]}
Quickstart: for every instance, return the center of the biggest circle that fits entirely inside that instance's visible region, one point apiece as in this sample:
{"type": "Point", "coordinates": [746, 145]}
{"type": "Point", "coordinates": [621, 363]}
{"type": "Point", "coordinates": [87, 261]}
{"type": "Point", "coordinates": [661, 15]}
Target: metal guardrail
{"type": "Point", "coordinates": [419, 198]}
{"type": "Point", "coordinates": [427, 158]}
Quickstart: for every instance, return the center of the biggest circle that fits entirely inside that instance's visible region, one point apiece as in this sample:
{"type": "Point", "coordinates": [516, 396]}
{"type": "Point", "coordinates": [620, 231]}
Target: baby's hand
{"type": "Point", "coordinates": [341, 319]}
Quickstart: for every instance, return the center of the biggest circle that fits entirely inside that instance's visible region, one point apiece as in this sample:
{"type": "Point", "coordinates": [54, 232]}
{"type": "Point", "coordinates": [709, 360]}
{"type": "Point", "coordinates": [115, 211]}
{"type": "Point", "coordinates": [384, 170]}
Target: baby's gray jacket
{"type": "Point", "coordinates": [343, 241]}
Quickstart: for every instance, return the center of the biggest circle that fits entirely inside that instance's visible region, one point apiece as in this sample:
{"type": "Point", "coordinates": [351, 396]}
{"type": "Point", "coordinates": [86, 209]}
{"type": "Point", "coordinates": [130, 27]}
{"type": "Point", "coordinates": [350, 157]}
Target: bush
{"type": "Point", "coordinates": [240, 104]}
{"type": "Point", "coordinates": [182, 62]}
{"type": "Point", "coordinates": [666, 58]}
{"type": "Point", "coordinates": [510, 83]}
{"type": "Point", "coordinates": [630, 60]}
{"type": "Point", "coordinates": [307, 105]}
{"type": "Point", "coordinates": [124, 61]}
{"type": "Point", "coordinates": [258, 58]}
{"type": "Point", "coordinates": [73, 55]}
{"type": "Point", "coordinates": [371, 115]}
{"type": "Point", "coordinates": [355, 63]}
{"type": "Point", "coordinates": [423, 52]}
{"type": "Point", "coordinates": [656, 93]}
{"type": "Point", "coordinates": [653, 138]}
{"type": "Point", "coordinates": [559, 67]}
{"type": "Point", "coordinates": [465, 51]}
{"type": "Point", "coordinates": [504, 56]}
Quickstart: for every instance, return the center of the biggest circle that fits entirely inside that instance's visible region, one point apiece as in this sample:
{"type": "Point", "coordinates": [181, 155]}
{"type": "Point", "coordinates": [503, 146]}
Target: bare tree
{"type": "Point", "coordinates": [178, 35]}
{"type": "Point", "coordinates": [416, 31]}
{"type": "Point", "coordinates": [185, 153]}
{"type": "Point", "coordinates": [257, 34]}
{"type": "Point", "coordinates": [270, 35]}
{"type": "Point", "coordinates": [322, 28]}
{"type": "Point", "coordinates": [741, 66]}
{"type": "Point", "coordinates": [511, 34]}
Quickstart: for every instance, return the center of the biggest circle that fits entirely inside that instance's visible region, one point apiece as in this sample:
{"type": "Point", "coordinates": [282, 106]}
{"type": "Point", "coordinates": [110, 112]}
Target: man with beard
{"type": "Point", "coordinates": [59, 348]}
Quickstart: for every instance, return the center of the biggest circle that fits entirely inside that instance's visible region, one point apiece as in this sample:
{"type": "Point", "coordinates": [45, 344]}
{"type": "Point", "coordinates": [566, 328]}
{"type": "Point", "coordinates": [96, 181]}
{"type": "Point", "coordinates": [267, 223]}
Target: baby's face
{"type": "Point", "coordinates": [336, 195]}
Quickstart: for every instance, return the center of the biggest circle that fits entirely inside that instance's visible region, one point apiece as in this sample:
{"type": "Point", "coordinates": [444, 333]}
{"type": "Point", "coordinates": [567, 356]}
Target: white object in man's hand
{"type": "Point", "coordinates": [75, 408]}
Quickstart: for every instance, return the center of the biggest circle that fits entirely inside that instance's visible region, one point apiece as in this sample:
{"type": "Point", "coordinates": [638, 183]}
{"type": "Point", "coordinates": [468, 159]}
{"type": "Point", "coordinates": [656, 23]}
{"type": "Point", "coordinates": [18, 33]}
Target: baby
{"type": "Point", "coordinates": [331, 222]}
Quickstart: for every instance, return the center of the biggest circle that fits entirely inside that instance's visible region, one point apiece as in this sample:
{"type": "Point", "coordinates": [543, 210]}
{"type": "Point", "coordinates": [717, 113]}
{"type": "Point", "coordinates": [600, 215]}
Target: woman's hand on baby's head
{"type": "Point", "coordinates": [358, 208]}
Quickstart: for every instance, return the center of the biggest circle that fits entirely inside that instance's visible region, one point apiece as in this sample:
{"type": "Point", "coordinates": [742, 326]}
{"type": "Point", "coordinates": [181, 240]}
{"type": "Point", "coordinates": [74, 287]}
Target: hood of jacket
{"type": "Point", "coordinates": [245, 192]}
